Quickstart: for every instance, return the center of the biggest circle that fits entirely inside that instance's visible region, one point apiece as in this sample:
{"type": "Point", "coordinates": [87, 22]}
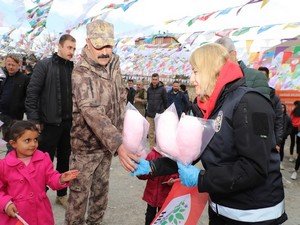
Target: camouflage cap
{"type": "Point", "coordinates": [100, 33]}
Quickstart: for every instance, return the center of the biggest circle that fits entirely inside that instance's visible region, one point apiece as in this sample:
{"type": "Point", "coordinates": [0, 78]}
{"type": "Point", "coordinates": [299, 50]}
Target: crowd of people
{"type": "Point", "coordinates": [76, 112]}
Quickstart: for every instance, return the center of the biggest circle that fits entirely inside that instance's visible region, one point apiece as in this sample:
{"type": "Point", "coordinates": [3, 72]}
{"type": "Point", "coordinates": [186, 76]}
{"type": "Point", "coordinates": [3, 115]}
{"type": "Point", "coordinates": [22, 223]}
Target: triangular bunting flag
{"type": "Point", "coordinates": [241, 31]}
{"type": "Point", "coordinates": [250, 2]}
{"type": "Point", "coordinates": [279, 49]}
{"type": "Point", "coordinates": [248, 45]}
{"type": "Point", "coordinates": [264, 3]}
{"type": "Point", "coordinates": [297, 50]}
{"type": "Point", "coordinates": [286, 57]}
{"type": "Point", "coordinates": [265, 28]}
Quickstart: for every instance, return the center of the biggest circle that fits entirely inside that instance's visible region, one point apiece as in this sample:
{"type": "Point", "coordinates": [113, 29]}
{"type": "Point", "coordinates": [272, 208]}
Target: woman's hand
{"type": "Point", "coordinates": [188, 174]}
{"type": "Point", "coordinates": [143, 168]}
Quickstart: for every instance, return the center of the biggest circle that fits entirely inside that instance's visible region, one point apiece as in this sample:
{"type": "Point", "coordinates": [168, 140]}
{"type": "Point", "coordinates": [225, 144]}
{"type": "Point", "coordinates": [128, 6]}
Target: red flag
{"type": "Point", "coordinates": [286, 57]}
{"type": "Point", "coordinates": [183, 206]}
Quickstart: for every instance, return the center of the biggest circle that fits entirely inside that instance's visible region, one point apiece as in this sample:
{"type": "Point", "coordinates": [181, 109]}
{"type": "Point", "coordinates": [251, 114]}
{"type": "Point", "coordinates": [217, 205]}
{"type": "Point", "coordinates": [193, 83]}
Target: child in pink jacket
{"type": "Point", "coordinates": [24, 174]}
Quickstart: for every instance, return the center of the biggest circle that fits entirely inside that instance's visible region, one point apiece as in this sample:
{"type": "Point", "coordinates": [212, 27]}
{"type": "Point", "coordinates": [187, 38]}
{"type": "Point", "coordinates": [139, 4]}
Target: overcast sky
{"type": "Point", "coordinates": [155, 12]}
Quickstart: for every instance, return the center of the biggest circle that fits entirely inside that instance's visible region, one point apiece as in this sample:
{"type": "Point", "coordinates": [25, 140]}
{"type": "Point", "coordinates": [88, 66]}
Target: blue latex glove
{"type": "Point", "coordinates": [143, 168]}
{"type": "Point", "coordinates": [188, 175]}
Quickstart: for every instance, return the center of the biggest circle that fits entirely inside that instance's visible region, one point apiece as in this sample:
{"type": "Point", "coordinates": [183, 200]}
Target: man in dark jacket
{"type": "Point", "coordinates": [277, 106]}
{"type": "Point", "coordinates": [156, 103]}
{"type": "Point", "coordinates": [254, 78]}
{"type": "Point", "coordinates": [49, 104]}
{"type": "Point", "coordinates": [13, 85]}
{"type": "Point", "coordinates": [130, 92]}
{"type": "Point", "coordinates": [178, 98]}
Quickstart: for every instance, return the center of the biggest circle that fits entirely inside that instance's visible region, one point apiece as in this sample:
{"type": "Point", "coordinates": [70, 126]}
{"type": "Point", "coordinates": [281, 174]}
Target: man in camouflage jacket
{"type": "Point", "coordinates": [99, 98]}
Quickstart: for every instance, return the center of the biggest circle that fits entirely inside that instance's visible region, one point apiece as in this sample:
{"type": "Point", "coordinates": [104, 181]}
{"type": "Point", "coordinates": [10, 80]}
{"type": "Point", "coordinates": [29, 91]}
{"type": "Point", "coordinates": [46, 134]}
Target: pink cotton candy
{"type": "Point", "coordinates": [165, 131]}
{"type": "Point", "coordinates": [189, 138]}
{"type": "Point", "coordinates": [133, 131]}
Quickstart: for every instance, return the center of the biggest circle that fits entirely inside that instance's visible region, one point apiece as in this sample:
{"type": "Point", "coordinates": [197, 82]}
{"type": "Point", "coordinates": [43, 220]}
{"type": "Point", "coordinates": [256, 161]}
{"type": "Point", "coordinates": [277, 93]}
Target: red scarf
{"type": "Point", "coordinates": [229, 72]}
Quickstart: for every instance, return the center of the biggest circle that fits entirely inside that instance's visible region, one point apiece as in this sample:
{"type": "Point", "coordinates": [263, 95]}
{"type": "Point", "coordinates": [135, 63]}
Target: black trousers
{"type": "Point", "coordinates": [297, 165]}
{"type": "Point", "coordinates": [281, 150]}
{"type": "Point", "coordinates": [56, 138]}
{"type": "Point", "coordinates": [150, 214]}
{"type": "Point", "coordinates": [293, 138]}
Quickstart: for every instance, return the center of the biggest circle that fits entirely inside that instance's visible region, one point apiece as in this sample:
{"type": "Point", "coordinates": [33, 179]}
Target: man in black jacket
{"type": "Point", "coordinates": [49, 104]}
{"type": "Point", "coordinates": [130, 92]}
{"type": "Point", "coordinates": [13, 85]}
{"type": "Point", "coordinates": [156, 103]}
{"type": "Point", "coordinates": [278, 112]}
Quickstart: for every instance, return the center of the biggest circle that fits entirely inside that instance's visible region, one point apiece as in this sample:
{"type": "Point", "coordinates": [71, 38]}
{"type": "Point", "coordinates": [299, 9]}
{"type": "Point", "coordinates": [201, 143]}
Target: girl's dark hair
{"type": "Point", "coordinates": [296, 110]}
{"type": "Point", "coordinates": [18, 128]}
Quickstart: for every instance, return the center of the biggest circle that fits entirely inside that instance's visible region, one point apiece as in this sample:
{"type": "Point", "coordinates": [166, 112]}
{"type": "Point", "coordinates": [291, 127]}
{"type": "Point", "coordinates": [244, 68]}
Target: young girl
{"type": "Point", "coordinates": [156, 190]}
{"type": "Point", "coordinates": [24, 174]}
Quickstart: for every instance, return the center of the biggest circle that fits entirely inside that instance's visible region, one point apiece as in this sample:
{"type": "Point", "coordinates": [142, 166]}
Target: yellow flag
{"type": "Point", "coordinates": [264, 2]}
{"type": "Point", "coordinates": [248, 45]}
{"type": "Point", "coordinates": [291, 25]}
{"type": "Point", "coordinates": [253, 57]}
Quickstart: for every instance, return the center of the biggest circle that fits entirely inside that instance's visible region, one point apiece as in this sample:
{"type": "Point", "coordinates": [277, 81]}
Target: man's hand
{"type": "Point", "coordinates": [127, 159]}
{"type": "Point", "coordinates": [277, 148]}
{"type": "Point", "coordinates": [11, 210]}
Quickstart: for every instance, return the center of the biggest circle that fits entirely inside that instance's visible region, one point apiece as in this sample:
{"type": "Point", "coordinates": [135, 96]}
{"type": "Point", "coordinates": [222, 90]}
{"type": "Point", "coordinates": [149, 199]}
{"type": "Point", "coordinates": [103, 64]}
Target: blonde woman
{"type": "Point", "coordinates": [241, 165]}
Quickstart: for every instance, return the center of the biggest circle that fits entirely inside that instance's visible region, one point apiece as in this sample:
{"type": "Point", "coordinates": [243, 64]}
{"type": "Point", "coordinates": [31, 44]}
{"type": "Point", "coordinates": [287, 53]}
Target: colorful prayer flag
{"type": "Point", "coordinates": [250, 2]}
{"type": "Point", "coordinates": [241, 31]}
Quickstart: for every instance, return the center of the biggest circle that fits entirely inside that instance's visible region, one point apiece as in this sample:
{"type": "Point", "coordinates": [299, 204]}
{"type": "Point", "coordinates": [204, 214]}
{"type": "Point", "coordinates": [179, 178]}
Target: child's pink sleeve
{"type": "Point", "coordinates": [4, 198]}
{"type": "Point", "coordinates": [53, 176]}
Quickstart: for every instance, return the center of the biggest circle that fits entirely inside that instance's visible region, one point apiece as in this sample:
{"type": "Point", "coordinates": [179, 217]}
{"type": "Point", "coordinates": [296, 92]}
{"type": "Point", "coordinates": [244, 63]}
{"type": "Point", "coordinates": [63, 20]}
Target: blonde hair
{"type": "Point", "coordinates": [14, 57]}
{"type": "Point", "coordinates": [207, 62]}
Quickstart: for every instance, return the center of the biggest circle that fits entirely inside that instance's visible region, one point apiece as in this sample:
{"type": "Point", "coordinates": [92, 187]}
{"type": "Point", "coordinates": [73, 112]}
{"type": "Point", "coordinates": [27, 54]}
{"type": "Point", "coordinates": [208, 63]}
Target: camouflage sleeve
{"type": "Point", "coordinates": [93, 112]}
{"type": "Point", "coordinates": [123, 96]}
